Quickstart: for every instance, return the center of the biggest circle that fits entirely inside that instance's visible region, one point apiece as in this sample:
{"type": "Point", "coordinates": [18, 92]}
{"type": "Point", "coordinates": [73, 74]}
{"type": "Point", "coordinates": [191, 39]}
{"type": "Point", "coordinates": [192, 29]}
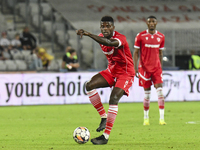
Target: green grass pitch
{"type": "Point", "coordinates": [51, 127]}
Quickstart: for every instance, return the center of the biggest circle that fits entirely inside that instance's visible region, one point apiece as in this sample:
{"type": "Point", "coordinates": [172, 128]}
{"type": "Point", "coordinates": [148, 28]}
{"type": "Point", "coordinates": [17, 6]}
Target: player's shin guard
{"type": "Point", "coordinates": [112, 113]}
{"type": "Point", "coordinates": [96, 102]}
{"type": "Point", "coordinates": [146, 104]}
{"type": "Point", "coordinates": [161, 102]}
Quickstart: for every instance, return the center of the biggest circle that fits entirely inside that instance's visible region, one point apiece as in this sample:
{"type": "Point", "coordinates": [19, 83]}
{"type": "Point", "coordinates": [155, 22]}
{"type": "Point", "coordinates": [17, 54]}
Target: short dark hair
{"type": "Point", "coordinates": [107, 19]}
{"type": "Point", "coordinates": [152, 17]}
{"type": "Point", "coordinates": [72, 50]}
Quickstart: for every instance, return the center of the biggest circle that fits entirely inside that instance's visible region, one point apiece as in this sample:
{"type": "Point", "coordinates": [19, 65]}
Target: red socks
{"type": "Point", "coordinates": [112, 113]}
{"type": "Point", "coordinates": [161, 101]}
{"type": "Point", "coordinates": [96, 102]}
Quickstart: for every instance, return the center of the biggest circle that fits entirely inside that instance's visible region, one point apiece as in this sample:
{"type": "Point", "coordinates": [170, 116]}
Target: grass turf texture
{"type": "Point", "coordinates": [52, 126]}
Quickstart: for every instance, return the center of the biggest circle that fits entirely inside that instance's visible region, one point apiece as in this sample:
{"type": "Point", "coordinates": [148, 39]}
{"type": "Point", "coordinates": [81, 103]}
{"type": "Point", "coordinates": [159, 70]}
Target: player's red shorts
{"type": "Point", "coordinates": [123, 81]}
{"type": "Point", "coordinates": [146, 78]}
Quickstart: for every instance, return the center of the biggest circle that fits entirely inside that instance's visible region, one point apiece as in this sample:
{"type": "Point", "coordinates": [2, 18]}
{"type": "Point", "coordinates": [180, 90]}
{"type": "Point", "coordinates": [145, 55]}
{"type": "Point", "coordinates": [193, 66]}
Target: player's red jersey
{"type": "Point", "coordinates": [149, 46]}
{"type": "Point", "coordinates": [120, 60]}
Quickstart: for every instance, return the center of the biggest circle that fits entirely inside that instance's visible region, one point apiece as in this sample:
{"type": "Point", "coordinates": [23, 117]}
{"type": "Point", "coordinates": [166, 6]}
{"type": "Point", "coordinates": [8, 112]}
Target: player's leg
{"type": "Point", "coordinates": [146, 103]}
{"type": "Point", "coordinates": [121, 88]}
{"type": "Point", "coordinates": [161, 102]}
{"type": "Point", "coordinates": [116, 94]}
{"type": "Point", "coordinates": [97, 81]}
{"type": "Point", "coordinates": [145, 82]}
{"type": "Point", "coordinates": [157, 80]}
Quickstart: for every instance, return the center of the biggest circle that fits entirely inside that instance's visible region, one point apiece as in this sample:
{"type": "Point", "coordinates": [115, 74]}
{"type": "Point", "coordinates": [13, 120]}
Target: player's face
{"type": "Point", "coordinates": [151, 23]}
{"type": "Point", "coordinates": [72, 55]}
{"type": "Point", "coordinates": [107, 29]}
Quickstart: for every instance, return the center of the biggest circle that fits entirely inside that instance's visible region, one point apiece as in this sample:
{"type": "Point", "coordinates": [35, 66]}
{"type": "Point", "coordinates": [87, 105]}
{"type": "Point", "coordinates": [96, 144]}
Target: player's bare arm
{"type": "Point", "coordinates": [75, 65]}
{"type": "Point", "coordinates": [135, 60]}
{"type": "Point", "coordinates": [100, 40]}
{"type": "Point", "coordinates": [161, 57]}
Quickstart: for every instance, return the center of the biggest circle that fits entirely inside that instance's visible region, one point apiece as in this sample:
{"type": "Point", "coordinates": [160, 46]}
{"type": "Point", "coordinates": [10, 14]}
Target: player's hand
{"type": "Point", "coordinates": [71, 64]}
{"type": "Point", "coordinates": [82, 32]}
{"type": "Point", "coordinates": [68, 66]}
{"type": "Point", "coordinates": [137, 73]}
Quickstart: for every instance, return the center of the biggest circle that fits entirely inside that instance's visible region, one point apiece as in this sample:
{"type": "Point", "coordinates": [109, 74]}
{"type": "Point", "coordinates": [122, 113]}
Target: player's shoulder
{"type": "Point", "coordinates": [116, 33]}
{"type": "Point", "coordinates": [142, 33]}
{"type": "Point", "coordinates": [160, 34]}
{"type": "Point", "coordinates": [119, 35]}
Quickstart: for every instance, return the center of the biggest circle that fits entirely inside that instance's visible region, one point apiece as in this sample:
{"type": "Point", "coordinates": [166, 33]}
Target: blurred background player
{"type": "Point", "coordinates": [119, 74]}
{"type": "Point", "coordinates": [149, 45]}
{"type": "Point", "coordinates": [70, 60]}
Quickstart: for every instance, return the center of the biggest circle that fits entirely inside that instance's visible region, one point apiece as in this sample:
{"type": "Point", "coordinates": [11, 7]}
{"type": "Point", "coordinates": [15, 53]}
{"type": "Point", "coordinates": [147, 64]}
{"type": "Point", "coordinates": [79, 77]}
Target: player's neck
{"type": "Point", "coordinates": [151, 31]}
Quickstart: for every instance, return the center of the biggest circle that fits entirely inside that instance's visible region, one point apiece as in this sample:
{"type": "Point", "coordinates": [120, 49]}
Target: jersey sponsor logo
{"type": "Point", "coordinates": [152, 45]}
{"type": "Point", "coordinates": [109, 53]}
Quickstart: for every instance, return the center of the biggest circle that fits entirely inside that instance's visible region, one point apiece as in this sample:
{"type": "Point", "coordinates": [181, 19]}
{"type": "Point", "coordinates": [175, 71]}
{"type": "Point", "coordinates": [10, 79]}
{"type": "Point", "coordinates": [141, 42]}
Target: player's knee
{"type": "Point", "coordinates": [88, 86]}
{"type": "Point", "coordinates": [147, 95]}
{"type": "Point", "coordinates": [114, 100]}
{"type": "Point", "coordinates": [160, 93]}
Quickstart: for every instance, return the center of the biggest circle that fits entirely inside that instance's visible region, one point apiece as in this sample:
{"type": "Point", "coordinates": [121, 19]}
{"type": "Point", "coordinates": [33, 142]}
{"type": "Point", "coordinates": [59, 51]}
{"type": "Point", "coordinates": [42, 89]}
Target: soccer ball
{"type": "Point", "coordinates": [81, 135]}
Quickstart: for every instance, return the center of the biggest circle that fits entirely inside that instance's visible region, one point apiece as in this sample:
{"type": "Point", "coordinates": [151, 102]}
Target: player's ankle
{"type": "Point", "coordinates": [105, 116]}
{"type": "Point", "coordinates": [106, 136]}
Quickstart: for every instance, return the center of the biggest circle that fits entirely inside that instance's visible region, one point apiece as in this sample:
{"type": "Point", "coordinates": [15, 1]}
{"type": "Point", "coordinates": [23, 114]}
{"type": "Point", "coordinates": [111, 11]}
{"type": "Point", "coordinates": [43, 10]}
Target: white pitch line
{"type": "Point", "coordinates": [193, 122]}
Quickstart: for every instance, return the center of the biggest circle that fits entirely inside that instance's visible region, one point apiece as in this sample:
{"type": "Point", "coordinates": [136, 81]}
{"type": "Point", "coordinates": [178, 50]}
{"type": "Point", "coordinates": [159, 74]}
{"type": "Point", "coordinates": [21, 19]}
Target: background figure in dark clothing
{"type": "Point", "coordinates": [70, 62]}
{"type": "Point", "coordinates": [2, 57]}
{"type": "Point", "coordinates": [28, 40]}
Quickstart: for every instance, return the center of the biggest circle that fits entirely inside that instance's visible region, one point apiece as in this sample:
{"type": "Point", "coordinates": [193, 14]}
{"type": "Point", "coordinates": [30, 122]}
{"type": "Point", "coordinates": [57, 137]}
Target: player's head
{"type": "Point", "coordinates": [26, 29]}
{"type": "Point", "coordinates": [68, 48]}
{"type": "Point", "coordinates": [72, 52]}
{"type": "Point", "coordinates": [107, 26]}
{"type": "Point", "coordinates": [17, 36]}
{"type": "Point", "coordinates": [4, 34]}
{"type": "Point", "coordinates": [151, 23]}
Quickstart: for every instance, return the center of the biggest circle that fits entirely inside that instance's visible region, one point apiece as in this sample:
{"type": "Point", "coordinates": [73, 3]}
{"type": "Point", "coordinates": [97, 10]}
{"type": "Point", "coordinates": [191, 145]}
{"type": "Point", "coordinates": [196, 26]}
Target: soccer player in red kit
{"type": "Point", "coordinates": [119, 74]}
{"type": "Point", "coordinates": [149, 45]}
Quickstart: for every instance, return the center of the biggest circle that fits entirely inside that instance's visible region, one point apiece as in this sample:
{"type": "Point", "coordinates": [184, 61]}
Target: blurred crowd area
{"type": "Point", "coordinates": [22, 53]}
